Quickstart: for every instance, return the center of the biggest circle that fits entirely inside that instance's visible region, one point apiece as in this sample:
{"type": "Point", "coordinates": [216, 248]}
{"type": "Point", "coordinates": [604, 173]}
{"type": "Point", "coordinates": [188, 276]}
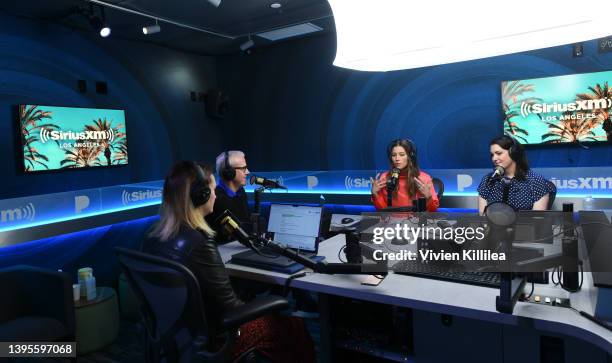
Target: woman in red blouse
{"type": "Point", "coordinates": [413, 183]}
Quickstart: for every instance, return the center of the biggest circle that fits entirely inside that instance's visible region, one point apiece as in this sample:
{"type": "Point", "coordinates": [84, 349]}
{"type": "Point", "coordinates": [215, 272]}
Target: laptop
{"type": "Point", "coordinates": [294, 226]}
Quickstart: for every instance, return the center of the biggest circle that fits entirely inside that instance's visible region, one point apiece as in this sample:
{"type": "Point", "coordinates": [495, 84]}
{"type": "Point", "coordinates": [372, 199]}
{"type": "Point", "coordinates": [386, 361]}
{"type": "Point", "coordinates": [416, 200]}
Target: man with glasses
{"type": "Point", "coordinates": [233, 171]}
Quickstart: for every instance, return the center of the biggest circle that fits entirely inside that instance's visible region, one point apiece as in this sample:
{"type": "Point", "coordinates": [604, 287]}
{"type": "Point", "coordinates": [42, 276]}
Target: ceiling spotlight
{"type": "Point", "coordinates": [215, 3]}
{"type": "Point", "coordinates": [105, 31]}
{"type": "Point", "coordinates": [247, 45]}
{"type": "Point", "coordinates": [275, 5]}
{"type": "Point", "coordinates": [99, 23]}
{"type": "Point", "coordinates": [151, 29]}
{"type": "Point", "coordinates": [100, 26]}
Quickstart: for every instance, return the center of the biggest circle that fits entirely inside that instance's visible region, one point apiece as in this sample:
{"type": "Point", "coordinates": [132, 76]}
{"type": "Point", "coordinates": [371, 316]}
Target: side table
{"type": "Point", "coordinates": [97, 321]}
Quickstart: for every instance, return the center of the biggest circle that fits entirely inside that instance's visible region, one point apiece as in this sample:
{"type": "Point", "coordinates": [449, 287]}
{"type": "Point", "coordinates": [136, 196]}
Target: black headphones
{"type": "Point", "coordinates": [200, 191]}
{"type": "Point", "coordinates": [227, 172]}
{"type": "Point", "coordinates": [515, 149]}
{"type": "Point", "coordinates": [412, 153]}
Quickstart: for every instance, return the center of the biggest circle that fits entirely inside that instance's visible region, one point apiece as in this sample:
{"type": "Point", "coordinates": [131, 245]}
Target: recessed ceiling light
{"type": "Point", "coordinates": [275, 5]}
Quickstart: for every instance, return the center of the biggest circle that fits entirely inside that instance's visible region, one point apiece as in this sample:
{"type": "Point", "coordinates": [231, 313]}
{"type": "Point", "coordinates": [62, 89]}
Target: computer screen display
{"type": "Point", "coordinates": [296, 226]}
{"type": "Point", "coordinates": [55, 137]}
{"type": "Point", "coordinates": [558, 110]}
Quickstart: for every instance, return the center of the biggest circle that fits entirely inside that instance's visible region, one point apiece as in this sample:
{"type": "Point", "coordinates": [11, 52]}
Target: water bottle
{"type": "Point", "coordinates": [588, 203]}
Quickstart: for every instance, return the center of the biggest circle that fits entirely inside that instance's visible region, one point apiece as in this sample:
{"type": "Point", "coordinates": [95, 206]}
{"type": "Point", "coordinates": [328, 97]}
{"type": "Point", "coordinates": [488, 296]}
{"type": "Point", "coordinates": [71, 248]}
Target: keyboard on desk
{"type": "Point", "coordinates": [432, 271]}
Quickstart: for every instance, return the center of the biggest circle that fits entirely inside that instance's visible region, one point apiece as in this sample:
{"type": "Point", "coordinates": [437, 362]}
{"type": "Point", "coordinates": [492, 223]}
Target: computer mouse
{"type": "Point", "coordinates": [347, 220]}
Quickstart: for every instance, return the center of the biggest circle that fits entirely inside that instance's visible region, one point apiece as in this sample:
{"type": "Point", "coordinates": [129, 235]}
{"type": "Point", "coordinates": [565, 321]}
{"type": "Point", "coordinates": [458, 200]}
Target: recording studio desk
{"type": "Point", "coordinates": [460, 300]}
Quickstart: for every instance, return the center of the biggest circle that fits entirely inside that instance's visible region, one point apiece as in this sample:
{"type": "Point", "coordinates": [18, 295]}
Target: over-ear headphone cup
{"type": "Point", "coordinates": [199, 194]}
{"type": "Point", "coordinates": [227, 172]}
{"type": "Point", "coordinates": [200, 191]}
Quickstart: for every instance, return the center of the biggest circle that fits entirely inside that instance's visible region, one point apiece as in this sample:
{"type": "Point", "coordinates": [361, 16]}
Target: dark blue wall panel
{"type": "Point", "coordinates": [296, 111]}
{"type": "Point", "coordinates": [40, 63]}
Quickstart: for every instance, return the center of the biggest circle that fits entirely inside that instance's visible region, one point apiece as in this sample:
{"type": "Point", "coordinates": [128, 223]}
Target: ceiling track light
{"type": "Point", "coordinates": [151, 29]}
{"type": "Point", "coordinates": [98, 23]}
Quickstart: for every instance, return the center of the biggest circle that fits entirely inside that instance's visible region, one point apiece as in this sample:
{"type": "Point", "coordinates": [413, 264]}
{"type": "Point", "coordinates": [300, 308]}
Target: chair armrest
{"type": "Point", "coordinates": [255, 309]}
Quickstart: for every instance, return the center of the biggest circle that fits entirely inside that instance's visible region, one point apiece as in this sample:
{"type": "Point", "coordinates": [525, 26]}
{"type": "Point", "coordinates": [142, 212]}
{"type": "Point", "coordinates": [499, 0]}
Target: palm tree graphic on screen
{"type": "Point", "coordinates": [513, 95]}
{"type": "Point", "coordinates": [580, 127]}
{"type": "Point", "coordinates": [570, 130]}
{"type": "Point", "coordinates": [113, 150]}
{"type": "Point", "coordinates": [32, 121]}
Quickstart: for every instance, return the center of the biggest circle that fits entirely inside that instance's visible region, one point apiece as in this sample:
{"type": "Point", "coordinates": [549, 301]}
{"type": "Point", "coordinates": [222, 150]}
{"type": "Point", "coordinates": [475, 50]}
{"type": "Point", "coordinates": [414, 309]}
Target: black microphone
{"type": "Point", "coordinates": [392, 185]}
{"type": "Point", "coordinates": [231, 228]}
{"type": "Point", "coordinates": [498, 173]}
{"type": "Point", "coordinates": [266, 183]}
{"type": "Point", "coordinates": [392, 181]}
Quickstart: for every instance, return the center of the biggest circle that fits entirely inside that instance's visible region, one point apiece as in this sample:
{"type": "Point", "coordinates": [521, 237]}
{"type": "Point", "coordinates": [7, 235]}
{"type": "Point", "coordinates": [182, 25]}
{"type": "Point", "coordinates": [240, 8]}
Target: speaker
{"type": "Point", "coordinates": [101, 88]}
{"type": "Point", "coordinates": [82, 85]}
{"type": "Point", "coordinates": [217, 104]}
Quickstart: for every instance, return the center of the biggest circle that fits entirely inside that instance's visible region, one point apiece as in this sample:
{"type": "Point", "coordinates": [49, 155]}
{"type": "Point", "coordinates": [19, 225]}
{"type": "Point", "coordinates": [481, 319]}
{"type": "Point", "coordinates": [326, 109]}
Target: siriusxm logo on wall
{"type": "Point", "coordinates": [48, 208]}
{"type": "Point", "coordinates": [595, 181]}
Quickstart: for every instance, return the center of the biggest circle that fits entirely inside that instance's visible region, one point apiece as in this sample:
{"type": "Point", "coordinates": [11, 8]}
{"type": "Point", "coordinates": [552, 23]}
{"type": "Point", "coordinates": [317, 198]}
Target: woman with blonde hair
{"type": "Point", "coordinates": [182, 234]}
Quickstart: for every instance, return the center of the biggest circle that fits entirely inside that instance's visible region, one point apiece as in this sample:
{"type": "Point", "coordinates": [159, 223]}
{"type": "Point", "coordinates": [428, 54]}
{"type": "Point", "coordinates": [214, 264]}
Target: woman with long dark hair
{"type": "Point", "coordinates": [525, 189]}
{"type": "Point", "coordinates": [412, 182]}
{"type": "Point", "coordinates": [182, 234]}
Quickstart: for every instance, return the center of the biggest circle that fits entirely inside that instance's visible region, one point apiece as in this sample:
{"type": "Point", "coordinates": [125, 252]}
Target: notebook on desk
{"type": "Point", "coordinates": [294, 226]}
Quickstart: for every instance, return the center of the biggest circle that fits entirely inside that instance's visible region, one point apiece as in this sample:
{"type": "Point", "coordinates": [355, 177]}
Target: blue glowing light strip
{"type": "Point", "coordinates": [78, 216]}
{"type": "Point", "coordinates": [304, 191]}
{"type": "Point", "coordinates": [367, 192]}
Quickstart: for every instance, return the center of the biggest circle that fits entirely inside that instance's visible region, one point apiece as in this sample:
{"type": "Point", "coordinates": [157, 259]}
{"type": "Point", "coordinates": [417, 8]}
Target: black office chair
{"type": "Point", "coordinates": [551, 195]}
{"type": "Point", "coordinates": [171, 305]}
{"type": "Point", "coordinates": [37, 305]}
{"type": "Point", "coordinates": [439, 188]}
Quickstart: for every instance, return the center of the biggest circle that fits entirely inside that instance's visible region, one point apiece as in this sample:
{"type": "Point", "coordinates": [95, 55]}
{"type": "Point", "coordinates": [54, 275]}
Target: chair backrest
{"type": "Point", "coordinates": [169, 297]}
{"type": "Point", "coordinates": [439, 188]}
{"type": "Point", "coordinates": [551, 195]}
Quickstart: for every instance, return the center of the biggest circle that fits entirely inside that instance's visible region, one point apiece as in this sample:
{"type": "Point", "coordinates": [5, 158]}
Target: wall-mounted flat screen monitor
{"type": "Point", "coordinates": [55, 137]}
{"type": "Point", "coordinates": [574, 108]}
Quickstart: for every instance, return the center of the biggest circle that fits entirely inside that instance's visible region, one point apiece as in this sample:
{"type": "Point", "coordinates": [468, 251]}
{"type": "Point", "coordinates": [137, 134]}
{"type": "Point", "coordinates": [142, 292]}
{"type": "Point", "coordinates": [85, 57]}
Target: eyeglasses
{"type": "Point", "coordinates": [241, 168]}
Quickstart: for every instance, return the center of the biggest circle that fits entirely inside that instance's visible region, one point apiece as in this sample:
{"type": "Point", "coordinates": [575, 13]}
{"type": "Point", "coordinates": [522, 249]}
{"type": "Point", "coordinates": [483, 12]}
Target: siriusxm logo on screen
{"type": "Point", "coordinates": [27, 212]}
{"type": "Point", "coordinates": [46, 135]}
{"type": "Point", "coordinates": [358, 183]}
{"type": "Point", "coordinates": [583, 183]}
{"type": "Point", "coordinates": [580, 105]}
{"type": "Point", "coordinates": [139, 195]}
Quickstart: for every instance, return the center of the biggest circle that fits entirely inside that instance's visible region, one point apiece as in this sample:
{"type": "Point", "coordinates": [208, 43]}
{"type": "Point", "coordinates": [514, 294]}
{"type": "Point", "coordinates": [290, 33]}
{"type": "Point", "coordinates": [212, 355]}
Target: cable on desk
{"type": "Point", "coordinates": [560, 271]}
{"type": "Point", "coordinates": [340, 253]}
{"type": "Point", "coordinates": [554, 272]}
{"type": "Point", "coordinates": [287, 285]}
{"type": "Point", "coordinates": [592, 318]}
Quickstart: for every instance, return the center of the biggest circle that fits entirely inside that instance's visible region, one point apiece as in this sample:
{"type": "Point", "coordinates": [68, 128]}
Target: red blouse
{"type": "Point", "coordinates": [401, 198]}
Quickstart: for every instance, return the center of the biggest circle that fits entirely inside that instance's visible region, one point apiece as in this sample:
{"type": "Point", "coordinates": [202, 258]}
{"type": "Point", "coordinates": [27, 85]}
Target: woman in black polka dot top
{"type": "Point", "coordinates": [526, 189]}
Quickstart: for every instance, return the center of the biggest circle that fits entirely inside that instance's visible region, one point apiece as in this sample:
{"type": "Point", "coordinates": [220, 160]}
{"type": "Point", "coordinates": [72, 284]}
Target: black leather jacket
{"type": "Point", "coordinates": [199, 253]}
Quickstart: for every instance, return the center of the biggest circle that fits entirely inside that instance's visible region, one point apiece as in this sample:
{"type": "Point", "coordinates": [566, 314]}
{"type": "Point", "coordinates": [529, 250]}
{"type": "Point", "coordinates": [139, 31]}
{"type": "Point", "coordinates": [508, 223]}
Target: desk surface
{"type": "Point", "coordinates": [441, 296]}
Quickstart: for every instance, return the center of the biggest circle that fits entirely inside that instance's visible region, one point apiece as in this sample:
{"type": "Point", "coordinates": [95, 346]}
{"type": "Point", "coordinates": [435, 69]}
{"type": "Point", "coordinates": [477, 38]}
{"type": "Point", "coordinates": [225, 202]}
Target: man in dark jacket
{"type": "Point", "coordinates": [233, 172]}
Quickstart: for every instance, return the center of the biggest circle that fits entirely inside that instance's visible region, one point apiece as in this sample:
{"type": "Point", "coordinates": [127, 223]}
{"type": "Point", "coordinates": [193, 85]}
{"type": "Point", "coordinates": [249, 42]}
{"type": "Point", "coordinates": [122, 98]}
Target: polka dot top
{"type": "Point", "coordinates": [522, 193]}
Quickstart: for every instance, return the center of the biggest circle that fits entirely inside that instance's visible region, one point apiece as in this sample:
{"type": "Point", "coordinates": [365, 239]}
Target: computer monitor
{"type": "Point", "coordinates": [295, 226]}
